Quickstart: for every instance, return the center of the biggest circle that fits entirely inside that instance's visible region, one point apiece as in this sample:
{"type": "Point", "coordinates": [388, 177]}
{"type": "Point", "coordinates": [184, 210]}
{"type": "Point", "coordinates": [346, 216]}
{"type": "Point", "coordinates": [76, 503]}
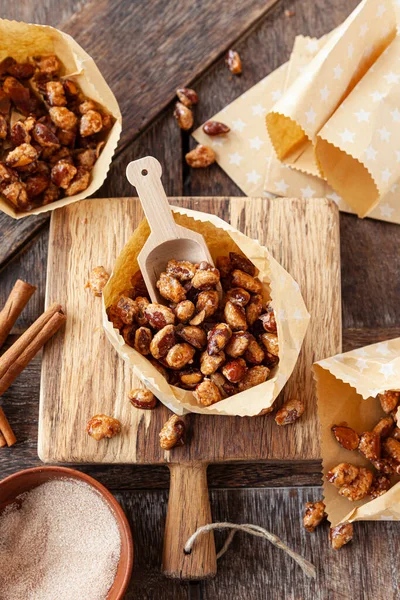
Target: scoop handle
{"type": "Point", "coordinates": [145, 175]}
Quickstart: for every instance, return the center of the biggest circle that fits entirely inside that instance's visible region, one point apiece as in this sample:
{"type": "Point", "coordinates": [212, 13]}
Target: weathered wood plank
{"type": "Point", "coordinates": [45, 12]}
{"type": "Point", "coordinates": [163, 140]}
{"type": "Point", "coordinates": [253, 568]}
{"type": "Point", "coordinates": [15, 234]}
{"type": "Point", "coordinates": [146, 50]}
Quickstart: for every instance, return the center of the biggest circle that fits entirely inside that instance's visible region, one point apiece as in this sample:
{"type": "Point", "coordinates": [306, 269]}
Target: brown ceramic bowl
{"type": "Point", "coordinates": [24, 481]}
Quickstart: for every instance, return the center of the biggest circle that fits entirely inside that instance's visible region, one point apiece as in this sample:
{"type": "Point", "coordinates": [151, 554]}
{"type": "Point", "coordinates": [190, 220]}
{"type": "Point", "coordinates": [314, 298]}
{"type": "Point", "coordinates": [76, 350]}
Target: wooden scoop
{"type": "Point", "coordinates": [167, 240]}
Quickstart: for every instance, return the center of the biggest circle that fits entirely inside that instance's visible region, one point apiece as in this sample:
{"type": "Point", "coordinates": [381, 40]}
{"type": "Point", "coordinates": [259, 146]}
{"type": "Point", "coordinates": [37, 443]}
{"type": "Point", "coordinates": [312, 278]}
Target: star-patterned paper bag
{"type": "Point", "coordinates": [291, 316]}
{"type": "Point", "coordinates": [246, 153]}
{"type": "Point", "coordinates": [347, 386]}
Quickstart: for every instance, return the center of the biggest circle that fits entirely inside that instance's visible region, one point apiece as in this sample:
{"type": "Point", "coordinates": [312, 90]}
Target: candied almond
{"type": "Point", "coordinates": [209, 364]}
{"type": "Point", "coordinates": [235, 316]}
{"type": "Point", "coordinates": [173, 433]}
{"type": "Point", "coordinates": [21, 155]}
{"type": "Point", "coordinates": [342, 474]}
{"type": "Point", "coordinates": [391, 448]}
{"type": "Point", "coordinates": [142, 341]}
{"type": "Point", "coordinates": [346, 436]}
{"type": "Point", "coordinates": [244, 280]}
{"type": "Point", "coordinates": [101, 426]}
{"type": "Point", "coordinates": [195, 336]}
{"type": "Point", "coordinates": [380, 485]}
{"type": "Point", "coordinates": [241, 262]}
{"type": "Point", "coordinates": [170, 288]}
{"type": "Point", "coordinates": [200, 157]}
{"type": "Point", "coordinates": [254, 376]}
{"type": "Point", "coordinates": [163, 341]}
{"type": "Point", "coordinates": [233, 62]}
{"type": "Point", "coordinates": [190, 377]}
{"type": "Point", "coordinates": [314, 514]}
{"type": "Point", "coordinates": [218, 337]}
{"type": "Point", "coordinates": [340, 535]}
{"type": "Point", "coordinates": [183, 116]}
{"type": "Point", "coordinates": [384, 427]}
{"type": "Point", "coordinates": [290, 412]}
{"type": "Point", "coordinates": [389, 400]}
{"type": "Point", "coordinates": [79, 183]}
{"type": "Point", "coordinates": [213, 128]}
{"type": "Point", "coordinates": [181, 269]}
{"type": "Point", "coordinates": [62, 117]}
{"type": "Point", "coordinates": [140, 398]}
{"type": "Point", "coordinates": [359, 487]}
{"type": "Point", "coordinates": [234, 370]}
{"type": "Point", "coordinates": [180, 355]}
{"type": "Point", "coordinates": [207, 393]}
{"type": "Point", "coordinates": [370, 445]}
{"type": "Point", "coordinates": [98, 278]}
{"type": "Point", "coordinates": [187, 96]}
{"type": "Point", "coordinates": [91, 122]}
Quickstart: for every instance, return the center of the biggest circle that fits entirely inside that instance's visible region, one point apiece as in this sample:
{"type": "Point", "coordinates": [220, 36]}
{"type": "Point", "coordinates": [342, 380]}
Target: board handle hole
{"type": "Point", "coordinates": [145, 172]}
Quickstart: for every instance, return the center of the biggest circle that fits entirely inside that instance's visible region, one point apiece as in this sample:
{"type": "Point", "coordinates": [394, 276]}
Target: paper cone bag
{"type": "Point", "coordinates": [347, 385]}
{"type": "Point", "coordinates": [21, 40]}
{"type": "Point", "coordinates": [337, 118]}
{"type": "Point", "coordinates": [290, 312]}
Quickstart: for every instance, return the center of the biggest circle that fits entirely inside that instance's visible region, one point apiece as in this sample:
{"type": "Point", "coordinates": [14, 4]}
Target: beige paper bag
{"type": "Point", "coordinates": [291, 316]}
{"type": "Point", "coordinates": [347, 385]}
{"type": "Point", "coordinates": [21, 40]}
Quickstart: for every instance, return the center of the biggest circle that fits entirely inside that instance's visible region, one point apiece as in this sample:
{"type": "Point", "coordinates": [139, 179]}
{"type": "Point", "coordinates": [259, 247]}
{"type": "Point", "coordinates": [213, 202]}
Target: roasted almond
{"type": "Point", "coordinates": [346, 436]}
{"type": "Point", "coordinates": [215, 128]}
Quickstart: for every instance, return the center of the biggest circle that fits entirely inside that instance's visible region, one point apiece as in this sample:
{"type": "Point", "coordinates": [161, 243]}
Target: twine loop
{"type": "Point", "coordinates": [307, 567]}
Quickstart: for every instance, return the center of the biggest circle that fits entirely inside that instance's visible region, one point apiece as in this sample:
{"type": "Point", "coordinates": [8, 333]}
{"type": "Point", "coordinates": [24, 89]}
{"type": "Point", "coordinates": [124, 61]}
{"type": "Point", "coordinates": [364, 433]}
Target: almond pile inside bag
{"type": "Point", "coordinates": [347, 389]}
{"type": "Point", "coordinates": [27, 43]}
{"type": "Point", "coordinates": [278, 286]}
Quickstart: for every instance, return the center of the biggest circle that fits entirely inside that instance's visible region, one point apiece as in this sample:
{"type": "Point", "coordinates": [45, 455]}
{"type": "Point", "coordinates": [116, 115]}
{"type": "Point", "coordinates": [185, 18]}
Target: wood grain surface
{"type": "Point", "coordinates": [370, 266]}
{"type": "Point", "coordinates": [91, 378]}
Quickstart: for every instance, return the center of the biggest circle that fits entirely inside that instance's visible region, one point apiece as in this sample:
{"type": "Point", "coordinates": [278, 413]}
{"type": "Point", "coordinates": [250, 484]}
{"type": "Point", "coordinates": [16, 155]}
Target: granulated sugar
{"type": "Point", "coordinates": [58, 541]}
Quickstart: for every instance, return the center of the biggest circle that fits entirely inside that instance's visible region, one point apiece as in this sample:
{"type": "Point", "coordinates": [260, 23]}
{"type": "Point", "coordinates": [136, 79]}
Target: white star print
{"type": "Point", "coordinates": [386, 175]}
{"type": "Point", "coordinates": [258, 110]}
{"type": "Point", "coordinates": [312, 46]}
{"type": "Point", "coordinates": [253, 177]}
{"type": "Point", "coordinates": [370, 153]}
{"type": "Point", "coordinates": [217, 143]}
{"type": "Point", "coordinates": [335, 197]}
{"type": "Point", "coordinates": [381, 10]}
{"type": "Point", "coordinates": [398, 155]}
{"type": "Point", "coordinates": [276, 95]}
{"type": "Point", "coordinates": [362, 115]}
{"type": "Point", "coordinates": [347, 136]}
{"type": "Point", "coordinates": [383, 349]}
{"type": "Point", "coordinates": [361, 364]}
{"type": "Point", "coordinates": [281, 314]}
{"type": "Point", "coordinates": [392, 77]}
{"type": "Point", "coordinates": [395, 114]}
{"type": "Point", "coordinates": [235, 159]}
{"type": "Point", "coordinates": [364, 30]}
{"type": "Point", "coordinates": [350, 50]}
{"type": "Point", "coordinates": [386, 210]}
{"type": "Point", "coordinates": [377, 96]}
{"type": "Point", "coordinates": [297, 315]}
{"type": "Point", "coordinates": [324, 92]}
{"type": "Point", "coordinates": [385, 134]}
{"type": "Point", "coordinates": [360, 352]}
{"type": "Point", "coordinates": [307, 192]}
{"type": "Point", "coordinates": [238, 125]}
{"type": "Point", "coordinates": [256, 143]}
{"type": "Point", "coordinates": [387, 370]}
{"type": "Point", "coordinates": [394, 188]}
{"type": "Point", "coordinates": [311, 114]}
{"type": "Point", "coordinates": [281, 186]}
{"type": "Point", "coordinates": [338, 71]}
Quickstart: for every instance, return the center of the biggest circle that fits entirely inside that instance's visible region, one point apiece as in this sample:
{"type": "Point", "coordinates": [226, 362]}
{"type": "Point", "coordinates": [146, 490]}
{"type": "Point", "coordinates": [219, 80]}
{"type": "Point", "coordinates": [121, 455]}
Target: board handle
{"type": "Point", "coordinates": [188, 509]}
{"type": "Point", "coordinates": [145, 174]}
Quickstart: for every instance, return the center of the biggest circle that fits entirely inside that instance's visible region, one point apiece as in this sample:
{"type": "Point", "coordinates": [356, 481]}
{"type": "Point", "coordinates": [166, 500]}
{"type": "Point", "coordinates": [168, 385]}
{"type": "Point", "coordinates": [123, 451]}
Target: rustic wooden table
{"type": "Point", "coordinates": [145, 50]}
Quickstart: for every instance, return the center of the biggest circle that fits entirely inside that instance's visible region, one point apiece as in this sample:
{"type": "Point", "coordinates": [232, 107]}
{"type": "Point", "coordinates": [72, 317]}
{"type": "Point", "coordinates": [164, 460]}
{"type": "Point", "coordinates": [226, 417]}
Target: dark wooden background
{"type": "Point", "coordinates": [145, 50]}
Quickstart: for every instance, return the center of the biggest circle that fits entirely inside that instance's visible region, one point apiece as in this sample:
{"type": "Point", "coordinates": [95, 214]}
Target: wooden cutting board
{"type": "Point", "coordinates": [82, 375]}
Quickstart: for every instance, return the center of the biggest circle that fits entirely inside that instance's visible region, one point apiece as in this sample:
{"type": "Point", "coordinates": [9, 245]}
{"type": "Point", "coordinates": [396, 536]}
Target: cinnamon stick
{"type": "Point", "coordinates": [2, 441]}
{"type": "Point", "coordinates": [26, 338]}
{"type": "Point", "coordinates": [6, 432]}
{"type": "Point", "coordinates": [14, 361]}
{"type": "Point", "coordinates": [16, 302]}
